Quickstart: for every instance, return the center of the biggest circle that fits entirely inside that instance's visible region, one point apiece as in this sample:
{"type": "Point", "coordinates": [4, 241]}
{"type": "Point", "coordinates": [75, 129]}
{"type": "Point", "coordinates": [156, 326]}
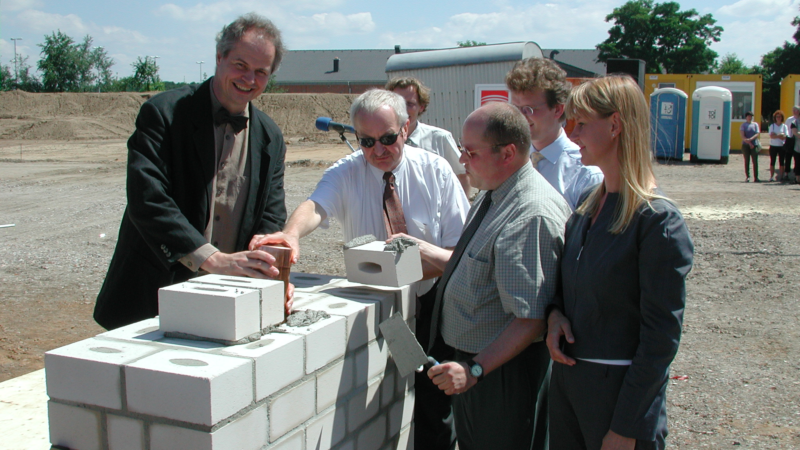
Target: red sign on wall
{"type": "Point", "coordinates": [494, 96]}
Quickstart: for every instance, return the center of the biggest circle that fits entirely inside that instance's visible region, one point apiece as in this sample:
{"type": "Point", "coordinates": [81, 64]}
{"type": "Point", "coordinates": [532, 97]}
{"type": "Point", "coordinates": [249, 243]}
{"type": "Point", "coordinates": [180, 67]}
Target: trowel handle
{"type": "Point", "coordinates": [431, 361]}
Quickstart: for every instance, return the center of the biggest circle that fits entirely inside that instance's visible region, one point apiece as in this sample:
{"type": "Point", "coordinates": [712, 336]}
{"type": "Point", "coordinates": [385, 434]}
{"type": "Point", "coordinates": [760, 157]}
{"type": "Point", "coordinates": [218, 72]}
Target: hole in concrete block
{"type": "Point", "coordinates": [147, 330]}
{"type": "Point", "coordinates": [370, 267]}
{"type": "Point", "coordinates": [201, 288]}
{"type": "Point", "coordinates": [337, 305]}
{"type": "Point", "coordinates": [105, 350]}
{"type": "Point", "coordinates": [231, 280]}
{"type": "Point", "coordinates": [260, 344]}
{"type": "Point", "coordinates": [306, 277]}
{"type": "Point", "coordinates": [188, 362]}
{"type": "Point", "coordinates": [354, 292]}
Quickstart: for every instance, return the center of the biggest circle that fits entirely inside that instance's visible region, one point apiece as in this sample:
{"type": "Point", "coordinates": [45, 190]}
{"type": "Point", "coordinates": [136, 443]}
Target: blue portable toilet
{"type": "Point", "coordinates": [711, 124]}
{"type": "Point", "coordinates": [668, 122]}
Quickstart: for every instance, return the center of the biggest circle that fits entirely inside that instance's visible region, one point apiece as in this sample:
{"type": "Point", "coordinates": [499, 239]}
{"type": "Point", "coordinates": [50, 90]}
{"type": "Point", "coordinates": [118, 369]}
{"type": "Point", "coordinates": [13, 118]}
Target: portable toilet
{"type": "Point", "coordinates": [668, 122]}
{"type": "Point", "coordinates": [711, 124]}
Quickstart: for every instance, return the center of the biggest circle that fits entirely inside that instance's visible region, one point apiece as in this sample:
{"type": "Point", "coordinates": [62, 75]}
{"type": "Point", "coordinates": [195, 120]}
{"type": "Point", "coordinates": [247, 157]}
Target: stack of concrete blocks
{"type": "Point", "coordinates": [330, 385]}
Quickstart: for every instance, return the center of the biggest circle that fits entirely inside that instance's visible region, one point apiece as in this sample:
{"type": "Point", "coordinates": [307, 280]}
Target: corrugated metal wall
{"type": "Point", "coordinates": [453, 90]}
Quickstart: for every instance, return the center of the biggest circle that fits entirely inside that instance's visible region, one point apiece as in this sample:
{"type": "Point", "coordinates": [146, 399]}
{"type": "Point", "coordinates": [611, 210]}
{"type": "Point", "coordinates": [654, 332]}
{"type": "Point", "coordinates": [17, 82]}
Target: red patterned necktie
{"type": "Point", "coordinates": [393, 218]}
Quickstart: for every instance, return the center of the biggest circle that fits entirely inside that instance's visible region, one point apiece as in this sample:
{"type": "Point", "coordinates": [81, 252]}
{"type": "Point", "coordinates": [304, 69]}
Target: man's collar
{"type": "Point", "coordinates": [508, 185]}
{"type": "Point", "coordinates": [552, 151]}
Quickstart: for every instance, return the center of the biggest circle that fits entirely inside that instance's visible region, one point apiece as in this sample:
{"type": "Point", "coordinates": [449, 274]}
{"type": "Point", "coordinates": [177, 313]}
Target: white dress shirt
{"type": "Point", "coordinates": [439, 141]}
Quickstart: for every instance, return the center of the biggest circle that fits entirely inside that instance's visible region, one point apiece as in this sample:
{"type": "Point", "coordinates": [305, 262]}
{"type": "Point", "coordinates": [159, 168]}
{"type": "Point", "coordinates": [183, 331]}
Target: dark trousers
{"type": "Point", "coordinates": [500, 411]}
{"type": "Point", "coordinates": [582, 402]}
{"type": "Point", "coordinates": [750, 153]}
{"type": "Point", "coordinates": [433, 413]}
{"type": "Point", "coordinates": [796, 163]}
{"type": "Point", "coordinates": [786, 156]}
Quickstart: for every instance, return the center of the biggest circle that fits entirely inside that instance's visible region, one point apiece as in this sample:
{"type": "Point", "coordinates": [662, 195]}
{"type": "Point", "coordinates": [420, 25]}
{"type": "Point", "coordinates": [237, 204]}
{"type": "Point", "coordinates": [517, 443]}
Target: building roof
{"type": "Point", "coordinates": [582, 59]}
{"type": "Point", "coordinates": [513, 51]}
{"type": "Point", "coordinates": [316, 67]}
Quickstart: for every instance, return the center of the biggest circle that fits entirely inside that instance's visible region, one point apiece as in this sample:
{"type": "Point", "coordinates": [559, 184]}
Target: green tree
{"type": "Point", "coordinates": [469, 43]}
{"type": "Point", "coordinates": [775, 66]}
{"type": "Point", "coordinates": [68, 66]}
{"type": "Point", "coordinates": [273, 87]}
{"type": "Point", "coordinates": [667, 39]}
{"type": "Point", "coordinates": [6, 79]}
{"type": "Point", "coordinates": [145, 75]}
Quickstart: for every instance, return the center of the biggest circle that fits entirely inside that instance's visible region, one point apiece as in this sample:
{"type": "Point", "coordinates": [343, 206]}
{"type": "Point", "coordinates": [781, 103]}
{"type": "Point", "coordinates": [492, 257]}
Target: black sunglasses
{"type": "Point", "coordinates": [386, 139]}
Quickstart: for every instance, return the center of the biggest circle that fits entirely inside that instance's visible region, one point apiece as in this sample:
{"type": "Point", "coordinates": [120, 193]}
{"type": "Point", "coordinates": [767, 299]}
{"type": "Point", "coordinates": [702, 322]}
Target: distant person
{"type": "Point", "coordinates": [422, 135]}
{"type": "Point", "coordinates": [617, 322]}
{"type": "Point", "coordinates": [205, 175]}
{"type": "Point", "coordinates": [792, 124]}
{"type": "Point", "coordinates": [359, 191]}
{"type": "Point", "coordinates": [777, 138]}
{"type": "Point", "coordinates": [497, 284]}
{"type": "Point", "coordinates": [539, 89]}
{"type": "Point", "coordinates": [750, 131]}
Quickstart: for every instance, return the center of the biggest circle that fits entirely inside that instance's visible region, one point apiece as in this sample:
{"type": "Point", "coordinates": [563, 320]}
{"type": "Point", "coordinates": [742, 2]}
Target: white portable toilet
{"type": "Point", "coordinates": [711, 124]}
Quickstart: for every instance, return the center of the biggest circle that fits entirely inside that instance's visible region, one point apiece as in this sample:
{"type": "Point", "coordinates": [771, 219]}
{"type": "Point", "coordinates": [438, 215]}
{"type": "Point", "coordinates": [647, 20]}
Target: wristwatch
{"type": "Point", "coordinates": [475, 369]}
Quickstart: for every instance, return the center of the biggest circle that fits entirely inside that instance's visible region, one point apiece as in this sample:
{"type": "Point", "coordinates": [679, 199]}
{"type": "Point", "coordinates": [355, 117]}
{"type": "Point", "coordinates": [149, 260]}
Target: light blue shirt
{"type": "Point", "coordinates": [562, 168]}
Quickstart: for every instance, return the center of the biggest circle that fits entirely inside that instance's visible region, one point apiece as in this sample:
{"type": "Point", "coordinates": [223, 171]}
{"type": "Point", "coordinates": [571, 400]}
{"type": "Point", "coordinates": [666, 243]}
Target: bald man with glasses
{"type": "Point", "coordinates": [362, 191]}
{"type": "Point", "coordinates": [539, 89]}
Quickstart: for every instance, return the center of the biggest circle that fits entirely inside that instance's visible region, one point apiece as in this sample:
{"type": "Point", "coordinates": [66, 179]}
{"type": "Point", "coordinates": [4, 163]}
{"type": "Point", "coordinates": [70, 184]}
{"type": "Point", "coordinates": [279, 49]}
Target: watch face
{"type": "Point", "coordinates": [476, 370]}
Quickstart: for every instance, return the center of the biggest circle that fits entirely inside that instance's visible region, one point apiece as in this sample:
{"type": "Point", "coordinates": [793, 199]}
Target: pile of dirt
{"type": "Point", "coordinates": [92, 116]}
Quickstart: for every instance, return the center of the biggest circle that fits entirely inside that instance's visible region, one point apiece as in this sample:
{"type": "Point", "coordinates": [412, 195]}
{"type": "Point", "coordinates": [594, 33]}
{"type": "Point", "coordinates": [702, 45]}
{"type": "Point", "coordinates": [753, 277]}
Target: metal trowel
{"type": "Point", "coordinates": [406, 351]}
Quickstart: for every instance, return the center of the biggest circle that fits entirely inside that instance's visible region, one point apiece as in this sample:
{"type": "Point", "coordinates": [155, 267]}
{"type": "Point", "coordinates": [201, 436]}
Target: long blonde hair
{"type": "Point", "coordinates": [604, 97]}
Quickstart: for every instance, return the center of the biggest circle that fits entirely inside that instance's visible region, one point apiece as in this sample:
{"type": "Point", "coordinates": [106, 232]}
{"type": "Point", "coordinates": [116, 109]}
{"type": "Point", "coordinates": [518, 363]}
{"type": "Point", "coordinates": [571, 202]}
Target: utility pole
{"type": "Point", "coordinates": [16, 71]}
{"type": "Point", "coordinates": [98, 80]}
{"type": "Point", "coordinates": [201, 70]}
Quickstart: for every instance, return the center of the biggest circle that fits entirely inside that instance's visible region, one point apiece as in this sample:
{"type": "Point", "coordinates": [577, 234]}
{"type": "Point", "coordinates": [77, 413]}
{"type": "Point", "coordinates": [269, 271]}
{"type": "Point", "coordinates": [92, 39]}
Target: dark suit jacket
{"type": "Point", "coordinates": [170, 173]}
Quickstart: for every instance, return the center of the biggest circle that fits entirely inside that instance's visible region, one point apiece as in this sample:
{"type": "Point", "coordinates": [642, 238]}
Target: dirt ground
{"type": "Point", "coordinates": [737, 372]}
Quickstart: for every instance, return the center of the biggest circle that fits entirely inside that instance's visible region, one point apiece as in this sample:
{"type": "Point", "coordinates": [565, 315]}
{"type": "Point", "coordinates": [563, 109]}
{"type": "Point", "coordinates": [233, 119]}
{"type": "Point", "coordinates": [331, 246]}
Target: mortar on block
{"type": "Point", "coordinates": [375, 262]}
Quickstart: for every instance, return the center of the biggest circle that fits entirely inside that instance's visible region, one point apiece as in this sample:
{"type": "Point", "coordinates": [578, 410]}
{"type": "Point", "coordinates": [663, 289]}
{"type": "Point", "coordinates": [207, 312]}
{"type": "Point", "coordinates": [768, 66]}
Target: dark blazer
{"type": "Point", "coordinates": [171, 162]}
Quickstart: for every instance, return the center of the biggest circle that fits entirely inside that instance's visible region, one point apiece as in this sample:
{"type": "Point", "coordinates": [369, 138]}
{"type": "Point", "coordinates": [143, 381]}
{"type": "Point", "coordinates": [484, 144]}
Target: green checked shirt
{"type": "Point", "coordinates": [510, 267]}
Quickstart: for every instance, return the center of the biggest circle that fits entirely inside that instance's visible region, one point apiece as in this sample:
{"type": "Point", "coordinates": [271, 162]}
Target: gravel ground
{"type": "Point", "coordinates": [738, 365]}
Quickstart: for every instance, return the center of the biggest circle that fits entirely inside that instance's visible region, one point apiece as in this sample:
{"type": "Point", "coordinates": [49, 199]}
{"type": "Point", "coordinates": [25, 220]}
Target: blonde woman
{"type": "Point", "coordinates": [614, 331]}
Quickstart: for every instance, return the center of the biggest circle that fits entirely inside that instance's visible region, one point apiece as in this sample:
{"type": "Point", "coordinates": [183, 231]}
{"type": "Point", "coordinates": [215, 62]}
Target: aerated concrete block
{"type": "Point", "coordinates": [326, 430]}
{"type": "Point", "coordinates": [303, 299]}
{"type": "Point", "coordinates": [89, 371]}
{"type": "Point", "coordinates": [309, 282]}
{"type": "Point", "coordinates": [401, 413]}
{"type": "Point", "coordinates": [74, 427]}
{"type": "Point", "coordinates": [217, 312]}
{"type": "Point", "coordinates": [361, 293]}
{"type": "Point", "coordinates": [405, 297]}
{"type": "Point", "coordinates": [291, 408]}
{"type": "Point", "coordinates": [324, 341]}
{"type": "Point", "coordinates": [278, 359]}
{"type": "Point", "coordinates": [371, 361]}
{"type": "Point", "coordinates": [146, 331]}
{"type": "Point", "coordinates": [370, 264]}
{"type": "Point", "coordinates": [248, 432]}
{"type": "Point", "coordinates": [334, 383]}
{"type": "Point", "coordinates": [125, 433]}
{"type": "Point", "coordinates": [271, 293]}
{"type": "Point", "coordinates": [364, 405]}
{"type": "Point", "coordinates": [194, 387]}
{"type": "Point", "coordinates": [361, 316]}
{"type": "Point", "coordinates": [373, 436]}
{"type": "Point", "coordinates": [292, 441]}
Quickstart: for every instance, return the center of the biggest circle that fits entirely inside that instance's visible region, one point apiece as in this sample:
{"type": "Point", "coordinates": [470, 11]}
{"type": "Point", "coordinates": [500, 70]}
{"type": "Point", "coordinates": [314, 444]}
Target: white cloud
{"type": "Point", "coordinates": [548, 24]}
{"type": "Point", "coordinates": [756, 8]}
{"type": "Point", "coordinates": [198, 13]}
{"type": "Point", "coordinates": [226, 11]}
{"type": "Point", "coordinates": [19, 5]}
{"type": "Point", "coordinates": [123, 36]}
{"type": "Point", "coordinates": [40, 21]}
{"type": "Point", "coordinates": [738, 38]}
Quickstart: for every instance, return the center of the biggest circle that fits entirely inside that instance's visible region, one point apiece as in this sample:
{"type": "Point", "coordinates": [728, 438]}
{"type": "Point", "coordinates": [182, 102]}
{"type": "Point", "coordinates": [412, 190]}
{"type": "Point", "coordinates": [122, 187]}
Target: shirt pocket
{"type": "Point", "coordinates": [479, 279]}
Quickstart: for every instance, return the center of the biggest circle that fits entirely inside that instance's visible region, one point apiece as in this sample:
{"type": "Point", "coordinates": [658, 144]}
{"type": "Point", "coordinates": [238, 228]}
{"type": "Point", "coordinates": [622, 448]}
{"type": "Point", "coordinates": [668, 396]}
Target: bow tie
{"type": "Point", "coordinates": [238, 123]}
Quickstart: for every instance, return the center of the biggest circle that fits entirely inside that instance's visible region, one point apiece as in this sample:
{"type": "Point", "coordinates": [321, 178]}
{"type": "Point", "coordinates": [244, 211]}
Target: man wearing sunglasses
{"type": "Point", "coordinates": [434, 208]}
{"type": "Point", "coordinates": [539, 89]}
{"type": "Point", "coordinates": [422, 135]}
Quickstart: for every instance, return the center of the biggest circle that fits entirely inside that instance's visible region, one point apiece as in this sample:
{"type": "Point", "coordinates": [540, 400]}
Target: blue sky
{"type": "Point", "coordinates": [182, 33]}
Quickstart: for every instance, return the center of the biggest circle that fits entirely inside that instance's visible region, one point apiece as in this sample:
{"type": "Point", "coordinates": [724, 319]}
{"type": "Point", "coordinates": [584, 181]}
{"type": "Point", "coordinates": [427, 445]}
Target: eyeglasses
{"type": "Point", "coordinates": [471, 154]}
{"type": "Point", "coordinates": [386, 139]}
{"type": "Point", "coordinates": [529, 110]}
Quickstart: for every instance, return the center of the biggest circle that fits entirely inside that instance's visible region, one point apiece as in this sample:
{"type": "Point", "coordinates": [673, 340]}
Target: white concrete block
{"type": "Point", "coordinates": [334, 383]}
{"type": "Point", "coordinates": [271, 293]}
{"type": "Point", "coordinates": [364, 405]}
{"type": "Point", "coordinates": [302, 299]}
{"type": "Point", "coordinates": [405, 441]}
{"type": "Point", "coordinates": [326, 430]}
{"type": "Point", "coordinates": [324, 341]}
{"type": "Point", "coordinates": [248, 432]}
{"type": "Point", "coordinates": [89, 371]}
{"type": "Point", "coordinates": [361, 316]}
{"type": "Point", "coordinates": [73, 427]}
{"type": "Point", "coordinates": [278, 360]}
{"type": "Point", "coordinates": [218, 312]}
{"type": "Point", "coordinates": [147, 331]}
{"type": "Point", "coordinates": [291, 408]}
{"type": "Point", "coordinates": [373, 436]}
{"type": "Point", "coordinates": [292, 441]}
{"type": "Point", "coordinates": [388, 386]}
{"type": "Point", "coordinates": [371, 361]}
{"type": "Point", "coordinates": [405, 297]}
{"type": "Point", "coordinates": [125, 433]}
{"type": "Point", "coordinates": [401, 413]}
{"type": "Point", "coordinates": [404, 385]}
{"type": "Point", "coordinates": [361, 293]}
{"type": "Point", "coordinates": [309, 282]}
{"type": "Point", "coordinates": [349, 445]}
{"type": "Point", "coordinates": [370, 264]}
{"type": "Point", "coordinates": [190, 386]}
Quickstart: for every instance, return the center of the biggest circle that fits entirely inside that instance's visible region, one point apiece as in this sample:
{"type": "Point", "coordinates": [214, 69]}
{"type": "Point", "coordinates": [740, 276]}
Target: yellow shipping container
{"type": "Point", "coordinates": [790, 93]}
